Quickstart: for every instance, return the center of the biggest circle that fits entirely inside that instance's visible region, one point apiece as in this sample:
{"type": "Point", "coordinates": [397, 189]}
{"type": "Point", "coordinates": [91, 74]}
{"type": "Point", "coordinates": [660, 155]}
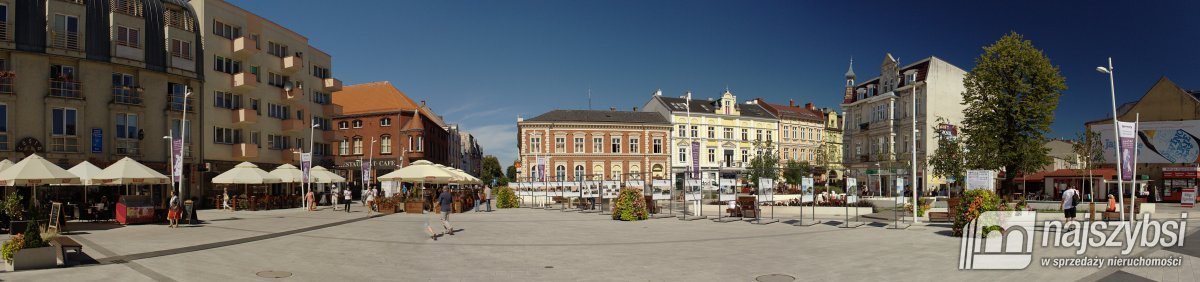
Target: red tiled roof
{"type": "Point", "coordinates": [372, 97]}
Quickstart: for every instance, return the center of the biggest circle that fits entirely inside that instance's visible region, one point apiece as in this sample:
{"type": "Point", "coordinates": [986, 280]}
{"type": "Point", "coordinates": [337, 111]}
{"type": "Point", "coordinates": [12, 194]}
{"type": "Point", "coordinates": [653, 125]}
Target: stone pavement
{"type": "Point", "coordinates": [541, 245]}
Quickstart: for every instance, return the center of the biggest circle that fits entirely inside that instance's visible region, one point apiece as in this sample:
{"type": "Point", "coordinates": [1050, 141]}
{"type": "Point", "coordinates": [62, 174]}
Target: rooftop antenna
{"type": "Point", "coordinates": [589, 96]}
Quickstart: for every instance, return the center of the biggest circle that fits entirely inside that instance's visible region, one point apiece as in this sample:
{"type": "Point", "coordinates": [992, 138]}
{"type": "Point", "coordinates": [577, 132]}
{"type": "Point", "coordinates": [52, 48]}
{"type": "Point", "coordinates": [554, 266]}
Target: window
{"type": "Point", "coordinates": [682, 130]}
{"type": "Point", "coordinates": [695, 131]}
{"type": "Point", "coordinates": [578, 145]}
{"type": "Point", "coordinates": [254, 138]}
{"type": "Point", "coordinates": [758, 135]}
{"type": "Point", "coordinates": [181, 49]}
{"type": "Point", "coordinates": [385, 144]}
{"type": "Point", "coordinates": [223, 135]}
{"type": "Point", "coordinates": [358, 145]}
{"type": "Point", "coordinates": [128, 37]}
{"type": "Point", "coordinates": [745, 156]}
{"type": "Point", "coordinates": [910, 77]}
{"type": "Point", "coordinates": [682, 154]}
{"type": "Point", "coordinates": [712, 132]}
{"type": "Point", "coordinates": [343, 148]}
{"type": "Point", "coordinates": [64, 131]}
{"type": "Point", "coordinates": [420, 143]}
{"type": "Point", "coordinates": [560, 144]}
{"type": "Point", "coordinates": [535, 144]}
{"type": "Point", "coordinates": [597, 145]}
{"type": "Point", "coordinates": [343, 125]}
{"type": "Point", "coordinates": [579, 172]}
{"type": "Point", "coordinates": [385, 122]}
{"type": "Point", "coordinates": [745, 134]}
{"type": "Point", "coordinates": [712, 155]}
{"type": "Point", "coordinates": [728, 133]}
{"type": "Point", "coordinates": [320, 72]}
{"type": "Point", "coordinates": [66, 32]}
{"type": "Point", "coordinates": [226, 30]}
{"type": "Point", "coordinates": [770, 135]}
{"type": "Point", "coordinates": [278, 142]}
{"type": "Point", "coordinates": [227, 100]}
{"type": "Point", "coordinates": [357, 123]}
{"type": "Point", "coordinates": [276, 49]}
{"type": "Point", "coordinates": [179, 19]}
{"type": "Point", "coordinates": [560, 173]}
{"type": "Point", "coordinates": [124, 89]}
{"type": "Point", "coordinates": [176, 93]}
{"type": "Point", "coordinates": [278, 111]}
{"type": "Point", "coordinates": [321, 98]}
{"type": "Point", "coordinates": [633, 145]}
{"type": "Point", "coordinates": [658, 143]}
{"type": "Point", "coordinates": [616, 145]}
{"type": "Point", "coordinates": [226, 65]}
{"type": "Point", "coordinates": [254, 106]}
{"type": "Point", "coordinates": [277, 80]}
{"type": "Point", "coordinates": [4, 127]}
{"type": "Point", "coordinates": [127, 126]}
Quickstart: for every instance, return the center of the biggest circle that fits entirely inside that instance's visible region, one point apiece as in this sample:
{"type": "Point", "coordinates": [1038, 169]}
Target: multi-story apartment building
{"type": "Point", "coordinates": [454, 146]}
{"type": "Point", "coordinates": [98, 80]}
{"type": "Point", "coordinates": [472, 154]}
{"type": "Point", "coordinates": [727, 134]}
{"type": "Point", "coordinates": [879, 118]}
{"type": "Point", "coordinates": [578, 145]}
{"type": "Point", "coordinates": [264, 88]}
{"type": "Point", "coordinates": [381, 124]}
{"type": "Point", "coordinates": [833, 144]}
{"type": "Point", "coordinates": [801, 131]}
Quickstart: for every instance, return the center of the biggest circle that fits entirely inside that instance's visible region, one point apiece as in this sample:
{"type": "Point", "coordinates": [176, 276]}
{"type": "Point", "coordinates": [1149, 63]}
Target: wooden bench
{"type": "Point", "coordinates": [948, 216]}
{"type": "Point", "coordinates": [1137, 209]}
{"type": "Point", "coordinates": [64, 244]}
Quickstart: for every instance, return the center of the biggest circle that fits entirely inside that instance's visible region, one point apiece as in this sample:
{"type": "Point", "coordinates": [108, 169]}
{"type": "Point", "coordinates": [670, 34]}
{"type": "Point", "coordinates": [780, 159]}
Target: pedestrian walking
{"type": "Point", "coordinates": [1070, 199]}
{"type": "Point", "coordinates": [478, 198]}
{"type": "Point", "coordinates": [446, 200]}
{"type": "Point", "coordinates": [334, 197]}
{"type": "Point", "coordinates": [173, 212]}
{"type": "Point", "coordinates": [310, 197]}
{"type": "Point", "coordinates": [370, 202]}
{"type": "Point", "coordinates": [225, 200]}
{"type": "Point", "coordinates": [346, 199]}
{"type": "Point", "coordinates": [487, 197]}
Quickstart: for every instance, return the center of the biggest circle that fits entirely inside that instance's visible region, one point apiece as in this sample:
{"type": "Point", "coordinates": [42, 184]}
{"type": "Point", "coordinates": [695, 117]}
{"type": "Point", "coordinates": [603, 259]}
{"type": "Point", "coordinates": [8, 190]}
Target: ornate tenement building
{"type": "Point", "coordinates": [576, 145]}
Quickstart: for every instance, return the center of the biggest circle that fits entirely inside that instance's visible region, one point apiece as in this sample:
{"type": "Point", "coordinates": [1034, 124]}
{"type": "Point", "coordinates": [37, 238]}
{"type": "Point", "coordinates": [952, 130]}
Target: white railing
{"type": "Point", "coordinates": [65, 40]}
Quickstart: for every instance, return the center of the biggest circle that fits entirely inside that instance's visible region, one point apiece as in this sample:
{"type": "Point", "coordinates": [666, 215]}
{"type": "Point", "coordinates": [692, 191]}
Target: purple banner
{"type": "Point", "coordinates": [305, 165]}
{"type": "Point", "coordinates": [541, 168]}
{"type": "Point", "coordinates": [366, 172]}
{"type": "Point", "coordinates": [1126, 133]}
{"type": "Point", "coordinates": [176, 159]}
{"type": "Point", "coordinates": [695, 159]}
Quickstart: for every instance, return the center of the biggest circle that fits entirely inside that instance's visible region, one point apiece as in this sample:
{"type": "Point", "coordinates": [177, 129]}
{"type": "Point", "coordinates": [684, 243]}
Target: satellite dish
{"type": "Point", "coordinates": [287, 86]}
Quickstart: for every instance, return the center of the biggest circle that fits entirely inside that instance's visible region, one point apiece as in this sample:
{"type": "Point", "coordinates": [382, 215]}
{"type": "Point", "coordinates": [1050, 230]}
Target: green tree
{"type": "Point", "coordinates": [764, 164]}
{"type": "Point", "coordinates": [491, 170]}
{"type": "Point", "coordinates": [1010, 96]}
{"type": "Point", "coordinates": [1091, 152]}
{"type": "Point", "coordinates": [794, 171]}
{"type": "Point", "coordinates": [823, 158]}
{"type": "Point", "coordinates": [511, 173]}
{"type": "Point", "coordinates": [947, 159]}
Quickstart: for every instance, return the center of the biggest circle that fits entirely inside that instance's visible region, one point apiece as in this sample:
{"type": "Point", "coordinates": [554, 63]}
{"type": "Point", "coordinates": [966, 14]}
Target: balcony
{"type": "Point", "coordinates": [6, 82]}
{"type": "Point", "coordinates": [864, 158]}
{"type": "Point", "coordinates": [288, 156]}
{"type": "Point", "coordinates": [65, 89]}
{"type": "Point", "coordinates": [244, 81]}
{"type": "Point", "coordinates": [292, 125]}
{"type": "Point", "coordinates": [292, 63]}
{"type": "Point", "coordinates": [290, 96]}
{"type": "Point", "coordinates": [128, 50]}
{"type": "Point", "coordinates": [244, 47]}
{"type": "Point", "coordinates": [331, 84]}
{"type": "Point", "coordinates": [245, 116]}
{"type": "Point", "coordinates": [331, 109]}
{"type": "Point", "coordinates": [245, 151]}
{"type": "Point", "coordinates": [131, 8]}
{"type": "Point", "coordinates": [67, 40]}
{"type": "Point", "coordinates": [125, 95]}
{"type": "Point", "coordinates": [128, 147]}
{"type": "Point", "coordinates": [4, 34]}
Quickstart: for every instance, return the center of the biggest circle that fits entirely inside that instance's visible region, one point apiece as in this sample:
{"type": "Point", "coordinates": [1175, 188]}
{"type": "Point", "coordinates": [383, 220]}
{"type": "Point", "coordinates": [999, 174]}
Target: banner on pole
{"type": "Point", "coordinates": [695, 159]}
{"type": "Point", "coordinates": [177, 159]}
{"type": "Point", "coordinates": [541, 168]}
{"type": "Point", "coordinates": [1126, 134]}
{"type": "Point", "coordinates": [806, 185]}
{"type": "Point", "coordinates": [851, 186]}
{"type": "Point", "coordinates": [305, 164]}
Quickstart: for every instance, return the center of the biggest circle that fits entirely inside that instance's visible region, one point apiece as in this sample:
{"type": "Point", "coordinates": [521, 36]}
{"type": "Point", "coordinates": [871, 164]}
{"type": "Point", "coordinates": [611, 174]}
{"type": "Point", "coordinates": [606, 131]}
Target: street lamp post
{"type": "Point", "coordinates": [307, 179]}
{"type": "Point", "coordinates": [183, 138]}
{"type": "Point", "coordinates": [1116, 132]}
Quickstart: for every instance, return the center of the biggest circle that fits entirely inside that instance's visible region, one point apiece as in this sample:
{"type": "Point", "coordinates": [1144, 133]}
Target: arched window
{"type": "Point", "coordinates": [635, 172]}
{"type": "Point", "coordinates": [560, 173]}
{"type": "Point", "coordinates": [385, 144]}
{"type": "Point", "coordinates": [343, 125]}
{"type": "Point", "coordinates": [598, 172]}
{"type": "Point", "coordinates": [385, 121]}
{"type": "Point", "coordinates": [578, 173]}
{"type": "Point", "coordinates": [357, 123]}
{"type": "Point", "coordinates": [358, 145]}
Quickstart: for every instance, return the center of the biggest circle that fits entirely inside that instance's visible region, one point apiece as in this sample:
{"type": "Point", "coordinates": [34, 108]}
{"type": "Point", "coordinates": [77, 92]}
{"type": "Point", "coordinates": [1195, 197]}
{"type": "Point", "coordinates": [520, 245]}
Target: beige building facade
{"type": "Point", "coordinates": [581, 145]}
{"type": "Point", "coordinates": [801, 129]}
{"type": "Point", "coordinates": [265, 87]}
{"type": "Point", "coordinates": [98, 81]}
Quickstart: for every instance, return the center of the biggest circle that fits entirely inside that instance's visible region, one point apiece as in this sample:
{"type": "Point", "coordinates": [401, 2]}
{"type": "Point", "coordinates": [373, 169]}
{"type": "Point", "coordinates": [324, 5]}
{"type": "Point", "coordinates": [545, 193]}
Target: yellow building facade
{"type": "Point", "coordinates": [727, 134]}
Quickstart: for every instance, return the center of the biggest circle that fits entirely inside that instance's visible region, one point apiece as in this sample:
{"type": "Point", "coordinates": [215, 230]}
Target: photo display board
{"type": "Point", "coordinates": [766, 190]}
{"type": "Point", "coordinates": [662, 190]}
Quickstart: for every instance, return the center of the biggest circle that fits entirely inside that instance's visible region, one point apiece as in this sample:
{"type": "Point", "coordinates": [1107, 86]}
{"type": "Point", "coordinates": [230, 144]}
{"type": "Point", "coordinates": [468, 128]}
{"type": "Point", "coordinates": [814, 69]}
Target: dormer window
{"type": "Point", "coordinates": [871, 90]}
{"type": "Point", "coordinates": [910, 77]}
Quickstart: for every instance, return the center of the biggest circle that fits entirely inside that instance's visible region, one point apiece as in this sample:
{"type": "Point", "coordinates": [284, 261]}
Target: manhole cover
{"type": "Point", "coordinates": [775, 278]}
{"type": "Point", "coordinates": [285, 274]}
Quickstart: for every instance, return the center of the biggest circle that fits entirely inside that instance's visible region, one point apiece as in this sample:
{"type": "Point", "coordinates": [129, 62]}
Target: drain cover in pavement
{"type": "Point", "coordinates": [775, 278]}
{"type": "Point", "coordinates": [274, 274]}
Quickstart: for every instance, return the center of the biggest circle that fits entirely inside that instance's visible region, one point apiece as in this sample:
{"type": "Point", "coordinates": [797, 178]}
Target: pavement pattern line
{"type": "Point", "coordinates": [188, 249]}
{"type": "Point", "coordinates": [1111, 271]}
{"type": "Point", "coordinates": [131, 265]}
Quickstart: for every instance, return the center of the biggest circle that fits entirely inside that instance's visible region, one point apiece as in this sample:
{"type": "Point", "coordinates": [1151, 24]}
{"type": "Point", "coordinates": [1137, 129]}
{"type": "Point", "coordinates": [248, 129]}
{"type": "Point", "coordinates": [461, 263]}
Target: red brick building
{"type": "Point", "coordinates": [594, 145]}
{"type": "Point", "coordinates": [382, 124]}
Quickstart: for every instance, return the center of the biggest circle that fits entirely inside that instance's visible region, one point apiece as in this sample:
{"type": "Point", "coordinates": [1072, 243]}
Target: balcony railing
{"type": "Point", "coordinates": [6, 83]}
{"type": "Point", "coordinates": [292, 63]}
{"type": "Point", "coordinates": [244, 46]}
{"type": "Point", "coordinates": [4, 31]}
{"type": "Point", "coordinates": [244, 80]}
{"type": "Point", "coordinates": [245, 116]}
{"type": "Point", "coordinates": [126, 95]}
{"type": "Point", "coordinates": [332, 84]}
{"type": "Point", "coordinates": [292, 125]}
{"type": "Point", "coordinates": [65, 89]}
{"type": "Point", "coordinates": [245, 151]}
{"type": "Point", "coordinates": [128, 7]}
{"type": "Point", "coordinates": [64, 143]}
{"type": "Point", "coordinates": [68, 40]}
{"type": "Point", "coordinates": [128, 147]}
{"type": "Point", "coordinates": [176, 104]}
{"type": "Point", "coordinates": [179, 19]}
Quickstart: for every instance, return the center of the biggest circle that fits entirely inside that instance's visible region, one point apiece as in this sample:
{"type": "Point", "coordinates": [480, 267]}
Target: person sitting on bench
{"type": "Point", "coordinates": [1112, 204]}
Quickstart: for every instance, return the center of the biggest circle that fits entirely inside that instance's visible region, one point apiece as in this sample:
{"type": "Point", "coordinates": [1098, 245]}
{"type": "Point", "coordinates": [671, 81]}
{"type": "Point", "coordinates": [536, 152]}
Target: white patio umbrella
{"type": "Point", "coordinates": [130, 172]}
{"type": "Point", "coordinates": [35, 170]}
{"type": "Point", "coordinates": [288, 173]}
{"type": "Point", "coordinates": [85, 171]}
{"type": "Point", "coordinates": [5, 164]}
{"type": "Point", "coordinates": [324, 176]}
{"type": "Point", "coordinates": [245, 173]}
{"type": "Point", "coordinates": [420, 171]}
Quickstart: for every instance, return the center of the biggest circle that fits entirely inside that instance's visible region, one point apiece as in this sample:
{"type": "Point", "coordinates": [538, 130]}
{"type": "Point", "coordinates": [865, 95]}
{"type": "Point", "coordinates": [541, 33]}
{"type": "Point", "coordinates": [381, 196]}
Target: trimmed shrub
{"type": "Point", "coordinates": [506, 198]}
{"type": "Point", "coordinates": [972, 204]}
{"type": "Point", "coordinates": [630, 205]}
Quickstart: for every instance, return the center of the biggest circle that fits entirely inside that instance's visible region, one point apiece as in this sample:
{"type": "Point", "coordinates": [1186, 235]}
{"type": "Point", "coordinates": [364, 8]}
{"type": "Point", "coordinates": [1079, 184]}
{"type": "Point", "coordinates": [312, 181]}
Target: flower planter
{"type": "Point", "coordinates": [387, 209]}
{"type": "Point", "coordinates": [35, 258]}
{"type": "Point", "coordinates": [414, 207]}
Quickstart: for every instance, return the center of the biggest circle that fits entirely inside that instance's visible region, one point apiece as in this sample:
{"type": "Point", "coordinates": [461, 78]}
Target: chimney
{"type": "Point", "coordinates": [612, 109]}
{"type": "Point", "coordinates": [422, 103]}
{"type": "Point", "coordinates": [635, 109]}
{"type": "Point", "coordinates": [809, 106]}
{"type": "Point", "coordinates": [791, 102]}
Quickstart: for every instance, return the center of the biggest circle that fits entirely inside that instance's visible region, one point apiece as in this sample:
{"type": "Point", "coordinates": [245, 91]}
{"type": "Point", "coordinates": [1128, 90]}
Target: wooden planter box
{"type": "Point", "coordinates": [35, 258]}
{"type": "Point", "coordinates": [414, 207]}
{"type": "Point", "coordinates": [387, 209]}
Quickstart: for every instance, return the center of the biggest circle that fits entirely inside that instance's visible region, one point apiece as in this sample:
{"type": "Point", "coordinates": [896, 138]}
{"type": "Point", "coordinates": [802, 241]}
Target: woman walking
{"type": "Point", "coordinates": [173, 212]}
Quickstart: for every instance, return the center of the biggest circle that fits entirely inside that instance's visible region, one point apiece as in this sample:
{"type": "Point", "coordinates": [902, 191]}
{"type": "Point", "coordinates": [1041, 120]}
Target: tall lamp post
{"type": "Point", "coordinates": [182, 139]}
{"type": "Point", "coordinates": [307, 166]}
{"type": "Point", "coordinates": [1116, 132]}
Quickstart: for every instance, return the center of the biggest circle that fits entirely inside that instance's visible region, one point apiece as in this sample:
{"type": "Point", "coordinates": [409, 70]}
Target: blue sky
{"type": "Point", "coordinates": [482, 63]}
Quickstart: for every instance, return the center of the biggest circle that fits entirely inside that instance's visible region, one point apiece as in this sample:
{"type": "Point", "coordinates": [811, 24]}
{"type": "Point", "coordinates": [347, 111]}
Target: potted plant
{"type": "Point", "coordinates": [414, 203]}
{"type": "Point", "coordinates": [12, 208]}
{"type": "Point", "coordinates": [387, 205]}
{"type": "Point", "coordinates": [28, 251]}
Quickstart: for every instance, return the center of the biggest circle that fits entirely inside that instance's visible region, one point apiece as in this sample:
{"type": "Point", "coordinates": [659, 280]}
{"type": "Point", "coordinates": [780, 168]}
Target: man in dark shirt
{"type": "Point", "coordinates": [446, 200]}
